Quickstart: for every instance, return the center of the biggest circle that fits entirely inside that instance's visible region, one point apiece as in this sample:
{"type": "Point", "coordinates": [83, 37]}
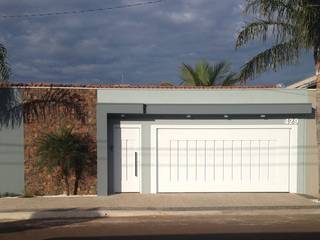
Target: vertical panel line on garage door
{"type": "Point", "coordinates": [196, 156]}
{"type": "Point", "coordinates": [259, 159]}
{"type": "Point", "coordinates": [178, 163]}
{"type": "Point", "coordinates": [127, 159]}
{"type": "Point", "coordinates": [170, 152]}
{"type": "Point", "coordinates": [214, 159]}
{"type": "Point", "coordinates": [241, 160]}
{"type": "Point", "coordinates": [250, 159]}
{"type": "Point", "coordinates": [223, 160]}
{"type": "Point", "coordinates": [231, 159]}
{"type": "Point", "coordinates": [187, 159]}
{"type": "Point", "coordinates": [268, 159]}
{"type": "Point", "coordinates": [205, 160]}
{"type": "Point", "coordinates": [289, 150]}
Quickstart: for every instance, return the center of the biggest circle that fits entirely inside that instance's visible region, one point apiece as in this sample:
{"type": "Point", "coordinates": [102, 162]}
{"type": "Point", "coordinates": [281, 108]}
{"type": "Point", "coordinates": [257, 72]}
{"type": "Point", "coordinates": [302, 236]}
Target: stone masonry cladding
{"type": "Point", "coordinates": [39, 181]}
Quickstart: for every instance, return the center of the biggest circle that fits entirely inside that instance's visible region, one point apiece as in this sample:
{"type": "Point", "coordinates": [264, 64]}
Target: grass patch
{"type": "Point", "coordinates": [8, 194]}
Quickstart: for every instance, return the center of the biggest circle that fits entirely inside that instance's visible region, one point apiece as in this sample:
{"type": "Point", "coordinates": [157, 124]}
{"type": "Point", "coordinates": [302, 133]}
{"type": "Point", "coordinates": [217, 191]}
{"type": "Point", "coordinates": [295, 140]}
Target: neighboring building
{"type": "Point", "coordinates": [153, 139]}
{"type": "Point", "coordinates": [308, 83]}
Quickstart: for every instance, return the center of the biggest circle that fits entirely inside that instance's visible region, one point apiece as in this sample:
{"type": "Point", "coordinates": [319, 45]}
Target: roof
{"type": "Point", "coordinates": [103, 86]}
{"type": "Point", "coordinates": [310, 82]}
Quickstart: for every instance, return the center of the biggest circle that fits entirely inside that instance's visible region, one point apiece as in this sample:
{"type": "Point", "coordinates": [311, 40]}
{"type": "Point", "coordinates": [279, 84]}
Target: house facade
{"type": "Point", "coordinates": [152, 139]}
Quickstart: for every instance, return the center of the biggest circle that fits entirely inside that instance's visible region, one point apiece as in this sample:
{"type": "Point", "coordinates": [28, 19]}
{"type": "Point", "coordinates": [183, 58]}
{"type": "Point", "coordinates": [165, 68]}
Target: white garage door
{"type": "Point", "coordinates": [221, 159]}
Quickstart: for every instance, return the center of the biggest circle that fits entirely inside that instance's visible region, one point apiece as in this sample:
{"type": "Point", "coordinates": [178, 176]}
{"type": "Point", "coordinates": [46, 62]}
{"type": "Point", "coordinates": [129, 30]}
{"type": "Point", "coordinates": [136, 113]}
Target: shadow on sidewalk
{"type": "Point", "coordinates": [224, 236]}
{"type": "Point", "coordinates": [41, 223]}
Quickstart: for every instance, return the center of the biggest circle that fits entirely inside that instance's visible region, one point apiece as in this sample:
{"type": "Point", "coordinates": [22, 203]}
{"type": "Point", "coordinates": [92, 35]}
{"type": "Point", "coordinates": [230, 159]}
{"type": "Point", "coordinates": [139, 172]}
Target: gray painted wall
{"type": "Point", "coordinates": [12, 160]}
{"type": "Point", "coordinates": [238, 109]}
{"type": "Point", "coordinates": [202, 96]}
{"type": "Point", "coordinates": [102, 153]}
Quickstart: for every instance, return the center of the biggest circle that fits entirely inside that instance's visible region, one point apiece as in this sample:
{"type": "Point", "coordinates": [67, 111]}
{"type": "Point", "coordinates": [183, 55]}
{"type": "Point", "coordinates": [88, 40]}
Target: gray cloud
{"type": "Point", "coordinates": [144, 44]}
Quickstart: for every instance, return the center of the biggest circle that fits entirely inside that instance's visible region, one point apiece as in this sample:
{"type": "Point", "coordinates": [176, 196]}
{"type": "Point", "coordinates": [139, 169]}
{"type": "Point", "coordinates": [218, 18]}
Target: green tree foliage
{"type": "Point", "coordinates": [291, 25]}
{"type": "Point", "coordinates": [65, 151]}
{"type": "Point", "coordinates": [205, 74]}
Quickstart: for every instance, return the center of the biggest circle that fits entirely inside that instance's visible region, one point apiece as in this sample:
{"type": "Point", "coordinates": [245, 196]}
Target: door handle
{"type": "Point", "coordinates": [136, 164]}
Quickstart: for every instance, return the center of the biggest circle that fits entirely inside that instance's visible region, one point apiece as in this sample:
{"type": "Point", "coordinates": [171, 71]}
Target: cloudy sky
{"type": "Point", "coordinates": [137, 45]}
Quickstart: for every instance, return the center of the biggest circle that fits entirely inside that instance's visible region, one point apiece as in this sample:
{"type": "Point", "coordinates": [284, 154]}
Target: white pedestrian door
{"type": "Point", "coordinates": [126, 159]}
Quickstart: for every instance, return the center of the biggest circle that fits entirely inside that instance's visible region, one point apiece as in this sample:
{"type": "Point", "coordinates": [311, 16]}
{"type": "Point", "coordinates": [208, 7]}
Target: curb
{"type": "Point", "coordinates": [73, 214]}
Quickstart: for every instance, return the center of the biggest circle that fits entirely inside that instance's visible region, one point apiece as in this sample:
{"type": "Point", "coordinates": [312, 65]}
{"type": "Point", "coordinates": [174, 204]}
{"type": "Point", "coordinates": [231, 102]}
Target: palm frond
{"type": "Point", "coordinates": [188, 75]}
{"type": "Point", "coordinates": [279, 10]}
{"type": "Point", "coordinates": [206, 74]}
{"type": "Point", "coordinates": [295, 26]}
{"type": "Point", "coordinates": [203, 71]}
{"type": "Point", "coordinates": [218, 71]}
{"type": "Point", "coordinates": [10, 109]}
{"type": "Point", "coordinates": [308, 21]}
{"type": "Point", "coordinates": [231, 79]}
{"type": "Point", "coordinates": [271, 59]}
{"type": "Point", "coordinates": [55, 148]}
{"type": "Point", "coordinates": [55, 101]}
{"type": "Point", "coordinates": [4, 66]}
{"type": "Point", "coordinates": [260, 29]}
{"type": "Point", "coordinates": [13, 111]}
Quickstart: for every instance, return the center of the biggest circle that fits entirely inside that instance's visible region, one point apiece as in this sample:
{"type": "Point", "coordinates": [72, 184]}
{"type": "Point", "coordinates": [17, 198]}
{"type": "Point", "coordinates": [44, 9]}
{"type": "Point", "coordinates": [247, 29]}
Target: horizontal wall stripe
{"type": "Point", "coordinates": [302, 108]}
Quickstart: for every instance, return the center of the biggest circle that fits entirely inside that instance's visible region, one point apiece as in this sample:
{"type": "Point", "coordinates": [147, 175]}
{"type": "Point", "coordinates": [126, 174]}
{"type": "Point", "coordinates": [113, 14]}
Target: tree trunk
{"type": "Point", "coordinates": [66, 180]}
{"type": "Point", "coordinates": [76, 185]}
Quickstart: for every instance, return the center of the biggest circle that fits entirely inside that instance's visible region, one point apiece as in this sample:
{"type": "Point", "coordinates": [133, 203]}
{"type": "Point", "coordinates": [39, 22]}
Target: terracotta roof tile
{"type": "Point", "coordinates": [159, 86]}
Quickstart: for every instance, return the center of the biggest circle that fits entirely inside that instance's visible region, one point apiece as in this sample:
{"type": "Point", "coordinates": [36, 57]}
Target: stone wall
{"type": "Point", "coordinates": [40, 181]}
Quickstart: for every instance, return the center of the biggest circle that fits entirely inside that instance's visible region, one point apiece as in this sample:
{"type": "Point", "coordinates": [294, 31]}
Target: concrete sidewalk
{"type": "Point", "coordinates": [174, 201]}
{"type": "Point", "coordinates": [152, 204]}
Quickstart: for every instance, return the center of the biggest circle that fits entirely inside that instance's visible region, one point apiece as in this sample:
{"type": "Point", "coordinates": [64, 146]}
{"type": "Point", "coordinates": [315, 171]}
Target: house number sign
{"type": "Point", "coordinates": [292, 121]}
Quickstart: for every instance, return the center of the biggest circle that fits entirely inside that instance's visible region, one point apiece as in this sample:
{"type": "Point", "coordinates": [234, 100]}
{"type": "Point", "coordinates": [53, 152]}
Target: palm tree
{"type": "Point", "coordinates": [66, 151]}
{"type": "Point", "coordinates": [205, 74]}
{"type": "Point", "coordinates": [14, 110]}
{"type": "Point", "coordinates": [293, 25]}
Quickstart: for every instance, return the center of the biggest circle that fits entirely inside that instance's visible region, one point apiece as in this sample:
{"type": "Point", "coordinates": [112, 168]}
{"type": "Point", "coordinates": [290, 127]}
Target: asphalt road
{"type": "Point", "coordinates": [223, 227]}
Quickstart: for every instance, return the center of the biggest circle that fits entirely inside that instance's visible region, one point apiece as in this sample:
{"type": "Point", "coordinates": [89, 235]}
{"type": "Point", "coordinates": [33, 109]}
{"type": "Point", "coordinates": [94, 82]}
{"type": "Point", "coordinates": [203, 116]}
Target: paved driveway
{"type": "Point", "coordinates": [181, 201]}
